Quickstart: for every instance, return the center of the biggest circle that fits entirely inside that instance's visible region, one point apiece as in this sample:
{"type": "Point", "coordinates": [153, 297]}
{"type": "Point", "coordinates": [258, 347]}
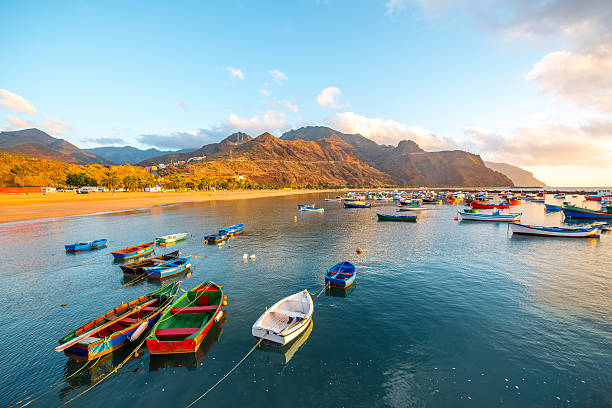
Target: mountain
{"type": "Point", "coordinates": [38, 144]}
{"type": "Point", "coordinates": [129, 154]}
{"type": "Point", "coordinates": [234, 139]}
{"type": "Point", "coordinates": [520, 177]}
{"type": "Point", "coordinates": [409, 164]}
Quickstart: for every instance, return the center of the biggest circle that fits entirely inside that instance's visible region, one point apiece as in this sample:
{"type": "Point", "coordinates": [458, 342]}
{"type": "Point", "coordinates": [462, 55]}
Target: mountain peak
{"type": "Point", "coordinates": [408, 146]}
{"type": "Point", "coordinates": [237, 138]}
{"type": "Point", "coordinates": [265, 137]}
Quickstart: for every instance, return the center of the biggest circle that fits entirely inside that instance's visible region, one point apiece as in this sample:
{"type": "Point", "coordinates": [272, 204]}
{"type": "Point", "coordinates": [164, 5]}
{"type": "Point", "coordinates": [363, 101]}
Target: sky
{"type": "Point", "coordinates": [527, 82]}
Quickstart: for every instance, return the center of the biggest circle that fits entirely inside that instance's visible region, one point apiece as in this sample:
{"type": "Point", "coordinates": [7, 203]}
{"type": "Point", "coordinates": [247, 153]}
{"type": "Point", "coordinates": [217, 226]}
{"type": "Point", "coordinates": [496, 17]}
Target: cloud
{"type": "Point", "coordinates": [278, 76]}
{"type": "Point", "coordinates": [387, 131]}
{"type": "Point", "coordinates": [265, 92]}
{"type": "Point", "coordinates": [328, 98]}
{"type": "Point", "coordinates": [290, 106]}
{"type": "Point", "coordinates": [583, 77]}
{"type": "Point", "coordinates": [180, 105]}
{"type": "Point", "coordinates": [18, 122]}
{"type": "Point", "coordinates": [16, 102]}
{"type": "Point", "coordinates": [268, 122]}
{"type": "Point", "coordinates": [105, 140]}
{"type": "Point", "coordinates": [235, 72]}
{"type": "Point", "coordinates": [183, 140]}
{"type": "Point", "coordinates": [54, 126]}
{"type": "Point", "coordinates": [394, 6]}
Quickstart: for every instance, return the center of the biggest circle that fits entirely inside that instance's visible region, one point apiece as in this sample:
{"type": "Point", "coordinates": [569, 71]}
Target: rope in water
{"type": "Point", "coordinates": [90, 261]}
{"type": "Point", "coordinates": [226, 375]}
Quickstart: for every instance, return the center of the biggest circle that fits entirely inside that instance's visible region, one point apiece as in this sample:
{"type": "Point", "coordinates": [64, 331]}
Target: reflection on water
{"type": "Point", "coordinates": [340, 292]}
{"type": "Point", "coordinates": [275, 355]}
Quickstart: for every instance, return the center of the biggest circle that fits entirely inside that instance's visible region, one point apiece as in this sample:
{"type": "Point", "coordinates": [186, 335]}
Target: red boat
{"type": "Point", "coordinates": [134, 251]}
{"type": "Point", "coordinates": [476, 204]}
{"type": "Point", "coordinates": [514, 201]}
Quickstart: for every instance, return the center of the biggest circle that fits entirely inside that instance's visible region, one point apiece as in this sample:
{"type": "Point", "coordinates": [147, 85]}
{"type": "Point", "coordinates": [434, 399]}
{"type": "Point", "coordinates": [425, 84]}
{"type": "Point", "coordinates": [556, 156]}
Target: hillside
{"type": "Point", "coordinates": [38, 144]}
{"type": "Point", "coordinates": [129, 154]}
{"type": "Point", "coordinates": [520, 177]}
{"type": "Point", "coordinates": [409, 164]}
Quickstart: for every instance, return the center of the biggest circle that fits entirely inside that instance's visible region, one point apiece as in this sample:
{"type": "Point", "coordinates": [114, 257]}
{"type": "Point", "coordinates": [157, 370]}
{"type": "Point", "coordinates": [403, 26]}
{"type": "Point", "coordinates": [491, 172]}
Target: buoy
{"type": "Point", "coordinates": [220, 244]}
{"type": "Point", "coordinates": [136, 354]}
{"type": "Point", "coordinates": [63, 304]}
{"type": "Point", "coordinates": [359, 250]}
{"type": "Point", "coordinates": [252, 257]}
{"type": "Point", "coordinates": [295, 218]}
{"type": "Point", "coordinates": [456, 218]}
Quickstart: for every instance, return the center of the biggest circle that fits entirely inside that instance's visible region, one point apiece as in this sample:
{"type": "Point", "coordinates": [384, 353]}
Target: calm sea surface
{"type": "Point", "coordinates": [443, 314]}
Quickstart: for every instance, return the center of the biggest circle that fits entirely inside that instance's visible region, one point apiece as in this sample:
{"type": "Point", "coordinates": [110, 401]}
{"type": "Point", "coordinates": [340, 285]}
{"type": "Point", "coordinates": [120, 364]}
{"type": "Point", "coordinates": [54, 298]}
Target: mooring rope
{"type": "Point", "coordinates": [90, 261]}
{"type": "Point", "coordinates": [226, 375]}
{"type": "Point", "coordinates": [133, 281]}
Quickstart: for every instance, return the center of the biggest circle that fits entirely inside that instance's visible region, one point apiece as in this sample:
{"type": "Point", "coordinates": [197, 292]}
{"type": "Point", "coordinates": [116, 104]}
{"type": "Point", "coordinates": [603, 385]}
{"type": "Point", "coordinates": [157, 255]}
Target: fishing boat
{"type": "Point", "coordinates": [357, 204]}
{"type": "Point", "coordinates": [302, 206]}
{"type": "Point", "coordinates": [169, 268]}
{"type": "Point", "coordinates": [560, 196]}
{"type": "Point", "coordinates": [477, 204]}
{"type": "Point", "coordinates": [167, 239]}
{"type": "Point", "coordinates": [134, 251]}
{"type": "Point", "coordinates": [185, 324]}
{"type": "Point", "coordinates": [572, 211]}
{"type": "Point", "coordinates": [538, 200]}
{"type": "Point", "coordinates": [136, 268]}
{"type": "Point", "coordinates": [119, 327]}
{"type": "Point", "coordinates": [85, 246]}
{"type": "Point", "coordinates": [552, 207]}
{"type": "Point", "coordinates": [386, 217]}
{"type": "Point", "coordinates": [514, 201]}
{"type": "Point", "coordinates": [232, 230]}
{"type": "Point", "coordinates": [333, 199]}
{"type": "Point", "coordinates": [215, 238]}
{"type": "Point", "coordinates": [496, 216]}
{"type": "Point", "coordinates": [412, 208]}
{"type": "Point", "coordinates": [454, 200]}
{"type": "Point", "coordinates": [341, 275]}
{"type": "Point", "coordinates": [591, 232]}
{"type": "Point", "coordinates": [600, 194]}
{"type": "Point", "coordinates": [285, 320]}
{"type": "Point", "coordinates": [312, 209]}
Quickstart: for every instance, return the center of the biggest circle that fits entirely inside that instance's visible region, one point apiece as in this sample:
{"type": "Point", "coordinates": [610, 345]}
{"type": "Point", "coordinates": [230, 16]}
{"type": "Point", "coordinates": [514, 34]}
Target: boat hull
{"type": "Point", "coordinates": [86, 246]}
{"type": "Point", "coordinates": [585, 213]}
{"type": "Point", "coordinates": [272, 336]}
{"type": "Point", "coordinates": [555, 232]}
{"type": "Point", "coordinates": [161, 272]}
{"type": "Point", "coordinates": [404, 218]}
{"type": "Point", "coordinates": [490, 217]}
{"type": "Point", "coordinates": [144, 249]}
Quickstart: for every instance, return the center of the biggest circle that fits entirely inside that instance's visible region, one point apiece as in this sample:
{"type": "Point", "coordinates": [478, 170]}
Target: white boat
{"type": "Point", "coordinates": [285, 320]}
{"type": "Point", "coordinates": [496, 216]}
{"type": "Point", "coordinates": [171, 238]}
{"type": "Point", "coordinates": [312, 209]}
{"type": "Point", "coordinates": [412, 208]}
{"type": "Point", "coordinates": [589, 232]}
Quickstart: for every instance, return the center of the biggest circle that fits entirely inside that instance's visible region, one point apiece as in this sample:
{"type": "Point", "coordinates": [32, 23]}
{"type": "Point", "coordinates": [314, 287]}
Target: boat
{"type": "Point", "coordinates": [185, 324]}
{"type": "Point", "coordinates": [302, 206]}
{"type": "Point", "coordinates": [386, 217]}
{"type": "Point", "coordinates": [136, 268]}
{"type": "Point", "coordinates": [285, 320]}
{"type": "Point", "coordinates": [283, 355]}
{"type": "Point", "coordinates": [119, 327]}
{"type": "Point", "coordinates": [454, 200]}
{"type": "Point", "coordinates": [232, 230]}
{"type": "Point", "coordinates": [134, 251]}
{"type": "Point", "coordinates": [166, 239]}
{"type": "Point", "coordinates": [85, 246]}
{"type": "Point", "coordinates": [169, 268]}
{"type": "Point", "coordinates": [560, 196]}
{"type": "Point", "coordinates": [215, 238]}
{"type": "Point", "coordinates": [572, 211]}
{"type": "Point", "coordinates": [600, 194]}
{"type": "Point", "coordinates": [496, 216]}
{"type": "Point", "coordinates": [514, 201]}
{"type": "Point", "coordinates": [590, 232]}
{"type": "Point", "coordinates": [412, 208]}
{"type": "Point", "coordinates": [552, 207]}
{"type": "Point", "coordinates": [341, 275]}
{"type": "Point", "coordinates": [357, 204]}
{"type": "Point", "coordinates": [538, 200]}
{"type": "Point", "coordinates": [477, 204]}
{"type": "Point", "coordinates": [333, 199]}
{"type": "Point", "coordinates": [310, 208]}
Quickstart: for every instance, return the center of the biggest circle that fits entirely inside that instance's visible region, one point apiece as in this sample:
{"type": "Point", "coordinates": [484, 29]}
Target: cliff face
{"type": "Point", "coordinates": [520, 177]}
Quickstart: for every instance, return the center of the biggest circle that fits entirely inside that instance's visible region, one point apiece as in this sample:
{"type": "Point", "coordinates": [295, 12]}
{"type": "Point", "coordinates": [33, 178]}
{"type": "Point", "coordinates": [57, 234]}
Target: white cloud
{"type": "Point", "coordinates": [183, 139]}
{"type": "Point", "coordinates": [54, 126]}
{"type": "Point", "coordinates": [265, 92]}
{"type": "Point", "coordinates": [387, 131]}
{"type": "Point", "coordinates": [105, 140]}
{"type": "Point", "coordinates": [394, 6]}
{"type": "Point", "coordinates": [18, 122]}
{"type": "Point", "coordinates": [584, 78]}
{"type": "Point", "coordinates": [288, 105]}
{"type": "Point", "coordinates": [268, 122]}
{"type": "Point", "coordinates": [328, 98]}
{"type": "Point", "coordinates": [278, 76]}
{"type": "Point", "coordinates": [16, 102]}
{"type": "Point", "coordinates": [180, 105]}
{"type": "Point", "coordinates": [235, 72]}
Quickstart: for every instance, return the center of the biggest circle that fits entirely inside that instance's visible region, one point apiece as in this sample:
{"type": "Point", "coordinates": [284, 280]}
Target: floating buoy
{"type": "Point", "coordinates": [456, 218]}
{"type": "Point", "coordinates": [136, 354]}
{"type": "Point", "coordinates": [63, 304]}
{"type": "Point", "coordinates": [220, 244]}
{"type": "Point", "coordinates": [252, 257]}
{"type": "Point", "coordinates": [295, 218]}
{"type": "Point", "coordinates": [359, 250]}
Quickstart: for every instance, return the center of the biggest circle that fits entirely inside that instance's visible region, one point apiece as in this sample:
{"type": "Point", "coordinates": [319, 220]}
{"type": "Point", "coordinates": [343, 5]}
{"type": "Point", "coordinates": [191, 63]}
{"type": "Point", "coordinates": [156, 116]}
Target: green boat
{"type": "Point", "coordinates": [406, 218]}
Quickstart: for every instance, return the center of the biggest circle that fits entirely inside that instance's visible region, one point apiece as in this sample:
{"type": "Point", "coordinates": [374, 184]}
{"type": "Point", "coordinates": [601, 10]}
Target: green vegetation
{"type": "Point", "coordinates": [80, 180]}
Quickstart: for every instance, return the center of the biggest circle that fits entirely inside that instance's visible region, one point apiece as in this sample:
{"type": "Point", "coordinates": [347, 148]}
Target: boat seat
{"type": "Point", "coordinates": [149, 309]}
{"type": "Point", "coordinates": [295, 314]}
{"type": "Point", "coordinates": [174, 333]}
{"type": "Point", "coordinates": [125, 321]}
{"type": "Point", "coordinates": [87, 341]}
{"type": "Point", "coordinates": [193, 309]}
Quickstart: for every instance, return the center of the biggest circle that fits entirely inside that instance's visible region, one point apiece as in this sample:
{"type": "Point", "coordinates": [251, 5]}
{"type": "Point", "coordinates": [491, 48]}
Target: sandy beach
{"type": "Point", "coordinates": [19, 207]}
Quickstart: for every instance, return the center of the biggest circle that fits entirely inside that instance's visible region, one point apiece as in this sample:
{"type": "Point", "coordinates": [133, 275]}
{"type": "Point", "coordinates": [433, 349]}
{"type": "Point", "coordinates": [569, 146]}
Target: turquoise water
{"type": "Point", "coordinates": [443, 314]}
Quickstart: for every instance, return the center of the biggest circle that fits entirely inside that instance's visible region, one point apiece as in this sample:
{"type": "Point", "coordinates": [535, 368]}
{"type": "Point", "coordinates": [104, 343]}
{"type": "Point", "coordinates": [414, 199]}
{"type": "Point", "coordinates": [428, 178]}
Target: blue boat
{"type": "Point", "coordinates": [169, 268]}
{"type": "Point", "coordinates": [357, 204]}
{"type": "Point", "coordinates": [85, 246]}
{"type": "Point", "coordinates": [552, 207]}
{"type": "Point", "coordinates": [234, 229]}
{"type": "Point", "coordinates": [572, 211]}
{"type": "Point", "coordinates": [341, 275]}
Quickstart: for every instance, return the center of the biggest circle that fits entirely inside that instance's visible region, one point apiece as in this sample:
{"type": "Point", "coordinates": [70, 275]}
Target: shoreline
{"type": "Point", "coordinates": [16, 208]}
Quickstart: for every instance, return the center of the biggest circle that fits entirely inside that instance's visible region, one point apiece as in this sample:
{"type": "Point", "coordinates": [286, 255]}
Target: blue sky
{"type": "Point", "coordinates": [179, 74]}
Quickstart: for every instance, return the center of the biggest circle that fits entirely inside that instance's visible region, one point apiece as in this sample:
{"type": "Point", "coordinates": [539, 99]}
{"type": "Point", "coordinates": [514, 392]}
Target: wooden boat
{"type": "Point", "coordinates": [171, 238]}
{"type": "Point", "coordinates": [136, 268]}
{"type": "Point", "coordinates": [514, 201]}
{"type": "Point", "coordinates": [357, 204]}
{"type": "Point", "coordinates": [572, 211]}
{"type": "Point", "coordinates": [385, 217]}
{"type": "Point", "coordinates": [454, 200]}
{"type": "Point", "coordinates": [496, 216]}
{"type": "Point", "coordinates": [591, 232]}
{"type": "Point", "coordinates": [185, 324]}
{"type": "Point", "coordinates": [560, 196]}
{"type": "Point", "coordinates": [215, 238]}
{"type": "Point", "coordinates": [85, 246]}
{"type": "Point", "coordinates": [333, 199]}
{"type": "Point", "coordinates": [310, 208]}
{"type": "Point", "coordinates": [552, 207]}
{"type": "Point", "coordinates": [169, 268]}
{"type": "Point", "coordinates": [134, 251]}
{"type": "Point", "coordinates": [341, 275]}
{"type": "Point", "coordinates": [412, 208]}
{"type": "Point", "coordinates": [232, 230]}
{"type": "Point", "coordinates": [477, 204]}
{"type": "Point", "coordinates": [302, 206]}
{"type": "Point", "coordinates": [285, 320]}
{"type": "Point", "coordinates": [600, 194]}
{"type": "Point", "coordinates": [122, 325]}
